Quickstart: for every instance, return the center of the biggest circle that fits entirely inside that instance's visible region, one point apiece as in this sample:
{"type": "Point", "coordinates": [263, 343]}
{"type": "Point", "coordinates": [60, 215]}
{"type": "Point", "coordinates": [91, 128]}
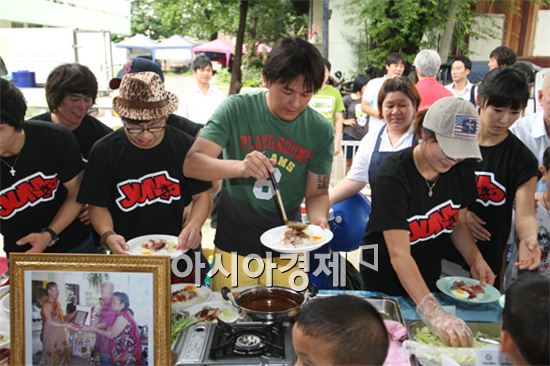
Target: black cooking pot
{"type": "Point", "coordinates": [269, 303]}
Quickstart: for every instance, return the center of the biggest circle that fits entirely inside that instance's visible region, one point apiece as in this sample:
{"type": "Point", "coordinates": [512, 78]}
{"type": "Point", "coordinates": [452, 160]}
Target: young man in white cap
{"type": "Point", "coordinates": [133, 181]}
{"type": "Point", "coordinates": [419, 206]}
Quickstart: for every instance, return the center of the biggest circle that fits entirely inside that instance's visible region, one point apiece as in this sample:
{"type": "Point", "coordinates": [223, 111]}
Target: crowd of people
{"type": "Point", "coordinates": [447, 166]}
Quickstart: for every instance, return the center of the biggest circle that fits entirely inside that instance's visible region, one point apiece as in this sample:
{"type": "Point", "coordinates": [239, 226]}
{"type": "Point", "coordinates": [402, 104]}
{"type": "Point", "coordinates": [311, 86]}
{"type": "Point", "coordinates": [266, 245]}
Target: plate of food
{"type": "Point", "coordinates": [5, 298]}
{"type": "Point", "coordinates": [211, 311]}
{"type": "Point", "coordinates": [291, 240]}
{"type": "Point", "coordinates": [185, 295]}
{"type": "Point", "coordinates": [467, 289]}
{"type": "Point", "coordinates": [155, 244]}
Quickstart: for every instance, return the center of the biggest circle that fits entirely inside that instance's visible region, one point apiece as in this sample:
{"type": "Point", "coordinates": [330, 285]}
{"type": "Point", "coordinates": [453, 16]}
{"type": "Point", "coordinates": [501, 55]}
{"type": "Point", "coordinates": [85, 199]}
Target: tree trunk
{"type": "Point", "coordinates": [447, 37]}
{"type": "Point", "coordinates": [236, 74]}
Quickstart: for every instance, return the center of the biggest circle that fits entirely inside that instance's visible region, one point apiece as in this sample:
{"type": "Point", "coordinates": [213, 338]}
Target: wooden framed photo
{"type": "Point", "coordinates": [68, 308]}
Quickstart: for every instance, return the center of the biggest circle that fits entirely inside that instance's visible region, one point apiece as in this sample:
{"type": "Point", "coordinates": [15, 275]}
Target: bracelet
{"type": "Point", "coordinates": [104, 237]}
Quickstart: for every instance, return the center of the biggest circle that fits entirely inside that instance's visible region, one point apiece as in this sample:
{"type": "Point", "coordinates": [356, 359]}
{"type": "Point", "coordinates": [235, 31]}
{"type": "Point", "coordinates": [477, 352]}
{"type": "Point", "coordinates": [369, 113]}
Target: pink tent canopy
{"type": "Point", "coordinates": [216, 46]}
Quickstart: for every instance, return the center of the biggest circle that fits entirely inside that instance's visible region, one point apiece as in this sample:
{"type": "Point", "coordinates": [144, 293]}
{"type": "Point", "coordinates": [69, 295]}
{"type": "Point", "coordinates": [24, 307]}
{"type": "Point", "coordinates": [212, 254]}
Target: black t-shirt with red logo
{"type": "Point", "coordinates": [505, 167]}
{"type": "Point", "coordinates": [87, 133]}
{"type": "Point", "coordinates": [30, 199]}
{"type": "Point", "coordinates": [144, 189]}
{"type": "Point", "coordinates": [400, 201]}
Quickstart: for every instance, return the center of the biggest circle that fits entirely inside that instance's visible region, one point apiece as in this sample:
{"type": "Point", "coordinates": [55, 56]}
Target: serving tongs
{"type": "Point", "coordinates": [295, 225]}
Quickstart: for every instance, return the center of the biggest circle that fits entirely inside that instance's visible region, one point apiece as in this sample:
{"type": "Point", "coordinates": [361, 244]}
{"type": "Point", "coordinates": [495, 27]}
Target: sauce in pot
{"type": "Point", "coordinates": [270, 301]}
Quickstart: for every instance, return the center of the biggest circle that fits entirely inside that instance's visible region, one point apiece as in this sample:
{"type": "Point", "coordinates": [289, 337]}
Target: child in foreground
{"type": "Point", "coordinates": [339, 330]}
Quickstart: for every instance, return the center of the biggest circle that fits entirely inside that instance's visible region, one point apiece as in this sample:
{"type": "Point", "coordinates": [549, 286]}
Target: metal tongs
{"type": "Point", "coordinates": [290, 224]}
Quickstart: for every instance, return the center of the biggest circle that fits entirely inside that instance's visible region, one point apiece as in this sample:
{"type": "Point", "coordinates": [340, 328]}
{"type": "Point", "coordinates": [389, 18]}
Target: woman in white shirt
{"type": "Point", "coordinates": [398, 101]}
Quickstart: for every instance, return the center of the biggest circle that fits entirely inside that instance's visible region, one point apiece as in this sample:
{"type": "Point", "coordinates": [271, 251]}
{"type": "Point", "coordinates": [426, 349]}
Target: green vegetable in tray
{"type": "Point", "coordinates": [425, 335]}
{"type": "Point", "coordinates": [179, 323]}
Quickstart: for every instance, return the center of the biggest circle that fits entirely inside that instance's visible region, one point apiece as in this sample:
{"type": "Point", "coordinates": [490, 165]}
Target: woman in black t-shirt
{"type": "Point", "coordinates": [418, 205]}
{"type": "Point", "coordinates": [507, 174]}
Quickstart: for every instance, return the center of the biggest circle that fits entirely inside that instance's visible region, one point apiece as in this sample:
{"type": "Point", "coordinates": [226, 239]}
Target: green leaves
{"type": "Point", "coordinates": [407, 26]}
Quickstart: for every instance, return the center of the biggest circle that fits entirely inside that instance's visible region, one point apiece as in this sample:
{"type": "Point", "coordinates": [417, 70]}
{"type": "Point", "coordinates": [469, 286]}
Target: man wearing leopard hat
{"type": "Point", "coordinates": [134, 182]}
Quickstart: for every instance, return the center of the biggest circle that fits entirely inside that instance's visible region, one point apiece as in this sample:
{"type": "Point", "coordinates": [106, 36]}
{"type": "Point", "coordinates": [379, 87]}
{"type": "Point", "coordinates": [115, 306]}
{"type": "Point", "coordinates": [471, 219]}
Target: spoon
{"type": "Point", "coordinates": [290, 224]}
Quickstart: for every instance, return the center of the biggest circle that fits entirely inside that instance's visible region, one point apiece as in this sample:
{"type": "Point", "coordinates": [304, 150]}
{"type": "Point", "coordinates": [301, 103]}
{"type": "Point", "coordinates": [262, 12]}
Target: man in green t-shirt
{"type": "Point", "coordinates": [330, 104]}
{"type": "Point", "coordinates": [298, 143]}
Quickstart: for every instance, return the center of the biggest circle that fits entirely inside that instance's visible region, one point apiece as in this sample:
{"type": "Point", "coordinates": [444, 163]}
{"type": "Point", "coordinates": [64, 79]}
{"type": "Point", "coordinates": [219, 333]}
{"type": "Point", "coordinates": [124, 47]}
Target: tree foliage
{"type": "Point", "coordinates": [406, 26]}
{"type": "Point", "coordinates": [266, 20]}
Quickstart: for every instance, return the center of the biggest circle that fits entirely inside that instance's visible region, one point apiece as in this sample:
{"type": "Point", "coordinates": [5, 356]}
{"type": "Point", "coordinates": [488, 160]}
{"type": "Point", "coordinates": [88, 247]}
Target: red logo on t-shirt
{"type": "Point", "coordinates": [149, 189]}
{"type": "Point", "coordinates": [29, 191]}
{"type": "Point", "coordinates": [489, 191]}
{"type": "Point", "coordinates": [437, 221]}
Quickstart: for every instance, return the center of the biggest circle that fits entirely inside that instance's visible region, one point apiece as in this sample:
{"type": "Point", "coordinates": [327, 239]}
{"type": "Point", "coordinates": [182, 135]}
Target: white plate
{"type": "Point", "coordinates": [136, 245]}
{"type": "Point", "coordinates": [228, 312]}
{"type": "Point", "coordinates": [490, 293]}
{"type": "Point", "coordinates": [203, 294]}
{"type": "Point", "coordinates": [273, 239]}
{"type": "Point", "coordinates": [5, 300]}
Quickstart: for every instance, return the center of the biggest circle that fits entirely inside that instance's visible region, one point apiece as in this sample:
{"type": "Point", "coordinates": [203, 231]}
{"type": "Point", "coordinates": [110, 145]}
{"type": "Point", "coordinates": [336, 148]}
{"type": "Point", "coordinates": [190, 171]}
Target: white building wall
{"type": "Point", "coordinates": [340, 52]}
{"type": "Point", "coordinates": [98, 15]}
{"type": "Point", "coordinates": [542, 31]}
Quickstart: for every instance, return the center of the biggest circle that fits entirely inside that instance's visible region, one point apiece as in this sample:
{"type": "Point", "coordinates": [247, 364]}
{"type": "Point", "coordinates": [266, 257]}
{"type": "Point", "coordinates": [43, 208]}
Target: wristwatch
{"type": "Point", "coordinates": [52, 233]}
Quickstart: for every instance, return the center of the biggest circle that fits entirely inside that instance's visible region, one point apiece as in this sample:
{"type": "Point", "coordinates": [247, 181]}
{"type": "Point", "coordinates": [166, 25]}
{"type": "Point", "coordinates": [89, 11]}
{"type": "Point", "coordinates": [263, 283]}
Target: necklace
{"type": "Point", "coordinates": [12, 167]}
{"type": "Point", "coordinates": [431, 186]}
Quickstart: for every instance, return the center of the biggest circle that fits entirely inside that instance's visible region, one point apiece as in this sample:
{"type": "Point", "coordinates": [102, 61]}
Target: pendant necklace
{"type": "Point", "coordinates": [12, 167]}
{"type": "Point", "coordinates": [431, 186]}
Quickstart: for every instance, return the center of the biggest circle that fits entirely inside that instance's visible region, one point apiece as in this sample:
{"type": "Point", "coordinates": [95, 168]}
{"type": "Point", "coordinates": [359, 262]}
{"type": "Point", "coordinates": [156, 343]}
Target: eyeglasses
{"type": "Point", "coordinates": [159, 127]}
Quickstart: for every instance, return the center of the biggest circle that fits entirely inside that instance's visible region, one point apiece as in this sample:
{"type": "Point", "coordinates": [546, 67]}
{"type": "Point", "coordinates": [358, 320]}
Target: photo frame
{"type": "Point", "coordinates": [139, 289]}
{"type": "Point", "coordinates": [83, 315]}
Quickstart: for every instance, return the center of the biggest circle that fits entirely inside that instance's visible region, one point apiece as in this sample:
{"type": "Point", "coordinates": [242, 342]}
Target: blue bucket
{"type": "Point", "coordinates": [24, 79]}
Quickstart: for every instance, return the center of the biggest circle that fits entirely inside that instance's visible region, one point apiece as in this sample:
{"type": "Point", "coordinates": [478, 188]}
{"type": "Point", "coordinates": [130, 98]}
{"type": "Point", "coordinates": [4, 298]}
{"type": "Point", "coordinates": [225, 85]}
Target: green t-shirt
{"type": "Point", "coordinates": [328, 101]}
{"type": "Point", "coordinates": [243, 123]}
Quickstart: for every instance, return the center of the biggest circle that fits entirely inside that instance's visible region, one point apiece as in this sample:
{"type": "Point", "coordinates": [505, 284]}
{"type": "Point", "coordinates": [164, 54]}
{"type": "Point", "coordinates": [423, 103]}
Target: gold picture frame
{"type": "Point", "coordinates": [145, 278]}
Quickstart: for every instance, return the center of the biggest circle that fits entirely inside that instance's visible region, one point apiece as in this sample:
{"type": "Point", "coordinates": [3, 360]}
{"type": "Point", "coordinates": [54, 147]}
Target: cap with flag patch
{"type": "Point", "coordinates": [455, 123]}
{"type": "Point", "coordinates": [137, 64]}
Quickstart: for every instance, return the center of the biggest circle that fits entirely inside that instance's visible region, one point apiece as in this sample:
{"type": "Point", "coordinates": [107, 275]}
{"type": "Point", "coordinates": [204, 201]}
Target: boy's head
{"type": "Point", "coordinates": [292, 59]}
{"type": "Point", "coordinates": [12, 105]}
{"type": "Point", "coordinates": [70, 80]}
{"type": "Point", "coordinates": [525, 333]}
{"type": "Point", "coordinates": [500, 57]}
{"type": "Point", "coordinates": [460, 68]}
{"type": "Point", "coordinates": [339, 330]}
{"type": "Point", "coordinates": [134, 65]}
{"type": "Point", "coordinates": [359, 82]}
{"type": "Point", "coordinates": [293, 71]}
{"type": "Point", "coordinates": [395, 65]}
{"type": "Point", "coordinates": [202, 69]}
{"type": "Point", "coordinates": [504, 87]}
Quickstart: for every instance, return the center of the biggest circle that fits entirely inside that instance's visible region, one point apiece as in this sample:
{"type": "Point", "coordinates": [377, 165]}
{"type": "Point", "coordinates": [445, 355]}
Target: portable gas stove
{"type": "Point", "coordinates": [242, 343]}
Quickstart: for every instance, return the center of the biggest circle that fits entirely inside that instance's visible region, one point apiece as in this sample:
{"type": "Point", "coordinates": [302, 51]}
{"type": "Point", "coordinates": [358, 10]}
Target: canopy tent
{"type": "Point", "coordinates": [140, 41]}
{"type": "Point", "coordinates": [219, 46]}
{"type": "Point", "coordinates": [174, 48]}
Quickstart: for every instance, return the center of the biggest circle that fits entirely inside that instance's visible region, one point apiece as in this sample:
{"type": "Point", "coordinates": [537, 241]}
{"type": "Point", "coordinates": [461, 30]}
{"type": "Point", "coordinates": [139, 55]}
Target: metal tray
{"type": "Point", "coordinates": [387, 307]}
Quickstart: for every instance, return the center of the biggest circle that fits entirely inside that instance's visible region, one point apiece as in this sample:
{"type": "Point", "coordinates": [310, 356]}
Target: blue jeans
{"type": "Point", "coordinates": [88, 247]}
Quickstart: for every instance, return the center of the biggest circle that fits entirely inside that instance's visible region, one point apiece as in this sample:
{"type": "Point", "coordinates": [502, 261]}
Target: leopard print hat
{"type": "Point", "coordinates": [142, 97]}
